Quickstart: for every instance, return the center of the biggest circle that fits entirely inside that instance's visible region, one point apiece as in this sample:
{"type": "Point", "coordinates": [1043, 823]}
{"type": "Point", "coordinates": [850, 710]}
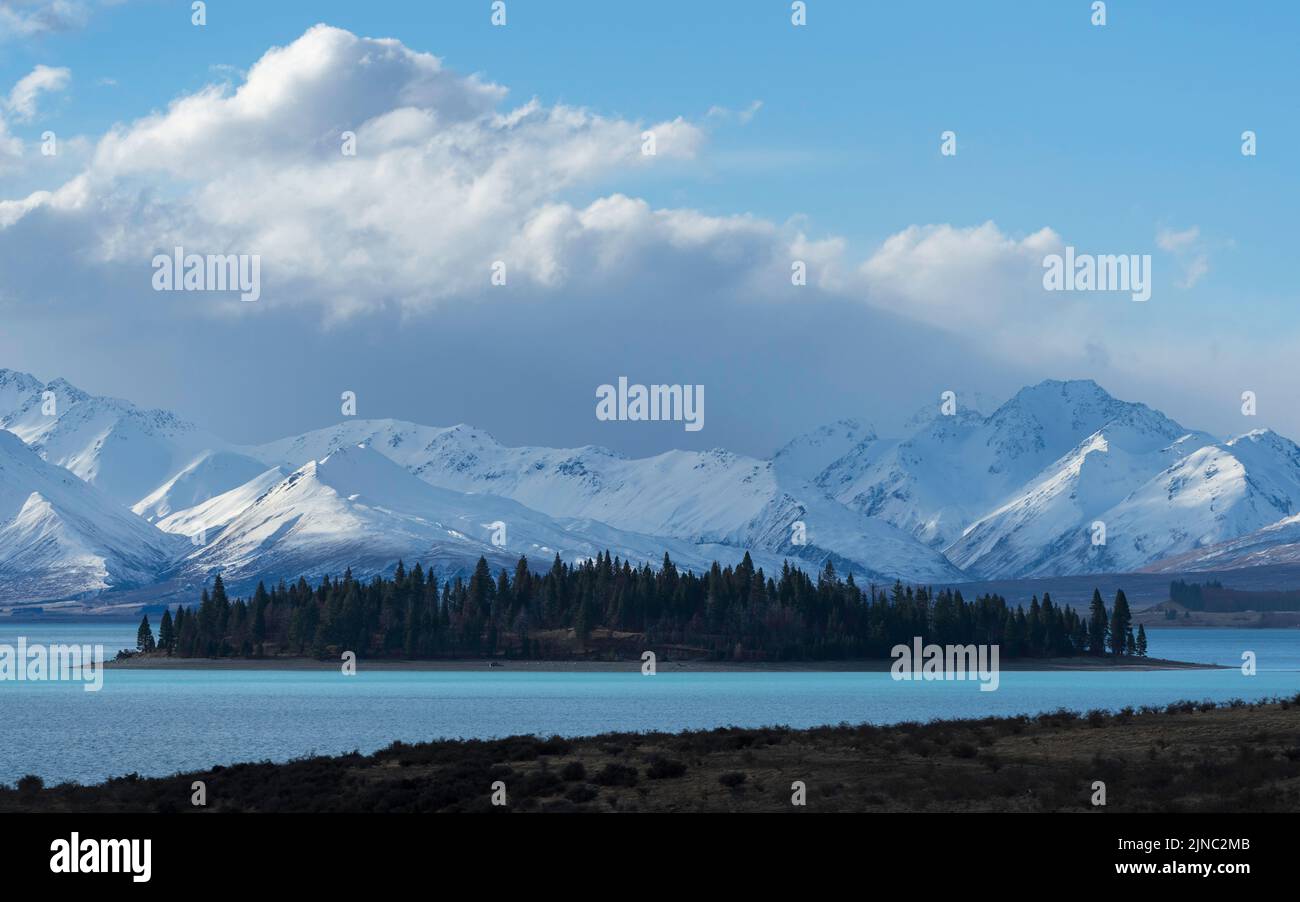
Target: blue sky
{"type": "Point", "coordinates": [1108, 136]}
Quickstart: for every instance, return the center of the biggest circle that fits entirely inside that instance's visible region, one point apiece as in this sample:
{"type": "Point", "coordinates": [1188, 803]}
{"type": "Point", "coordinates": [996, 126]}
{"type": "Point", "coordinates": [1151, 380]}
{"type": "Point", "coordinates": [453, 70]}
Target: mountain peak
{"type": "Point", "coordinates": [1079, 405]}
{"type": "Point", "coordinates": [807, 455]}
{"type": "Point", "coordinates": [17, 378]}
{"type": "Point", "coordinates": [465, 433]}
{"type": "Point", "coordinates": [359, 470]}
{"type": "Point", "coordinates": [1069, 390]}
{"type": "Point", "coordinates": [66, 390]}
{"type": "Point", "coordinates": [1259, 436]}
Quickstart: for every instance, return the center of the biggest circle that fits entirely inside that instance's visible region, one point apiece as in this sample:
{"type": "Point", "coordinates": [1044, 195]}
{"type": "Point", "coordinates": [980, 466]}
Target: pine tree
{"type": "Point", "coordinates": [1120, 622]}
{"type": "Point", "coordinates": [207, 625]}
{"type": "Point", "coordinates": [144, 636]}
{"type": "Point", "coordinates": [166, 633]}
{"type": "Point", "coordinates": [480, 589]}
{"type": "Point", "coordinates": [260, 601]}
{"type": "Point", "coordinates": [1097, 624]}
{"type": "Point", "coordinates": [1142, 641]}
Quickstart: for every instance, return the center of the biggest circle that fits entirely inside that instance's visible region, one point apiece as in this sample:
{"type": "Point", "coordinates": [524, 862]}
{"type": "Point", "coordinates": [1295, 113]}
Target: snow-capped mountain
{"type": "Point", "coordinates": [356, 508]}
{"type": "Point", "coordinates": [1241, 493]}
{"type": "Point", "coordinates": [1047, 527]}
{"type": "Point", "coordinates": [60, 537]}
{"type": "Point", "coordinates": [959, 468]}
{"type": "Point", "coordinates": [208, 517]}
{"type": "Point", "coordinates": [805, 457]}
{"type": "Point", "coordinates": [15, 389]}
{"type": "Point", "coordinates": [961, 495]}
{"type": "Point", "coordinates": [209, 474]}
{"type": "Point", "coordinates": [127, 452]}
{"type": "Point", "coordinates": [1277, 543]}
{"type": "Point", "coordinates": [712, 497]}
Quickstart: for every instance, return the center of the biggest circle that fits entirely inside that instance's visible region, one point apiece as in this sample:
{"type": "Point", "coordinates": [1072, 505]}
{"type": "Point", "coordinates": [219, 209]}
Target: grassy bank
{"type": "Point", "coordinates": [1186, 757]}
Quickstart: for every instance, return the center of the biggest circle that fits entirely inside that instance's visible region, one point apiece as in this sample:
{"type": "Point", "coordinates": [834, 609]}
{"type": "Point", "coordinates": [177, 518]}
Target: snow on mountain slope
{"type": "Point", "coordinates": [356, 508]}
{"type": "Point", "coordinates": [1277, 543]}
{"type": "Point", "coordinates": [869, 548]}
{"type": "Point", "coordinates": [123, 450]}
{"type": "Point", "coordinates": [804, 457]}
{"type": "Point", "coordinates": [351, 509]}
{"type": "Point", "coordinates": [962, 467]}
{"type": "Point", "coordinates": [1012, 493]}
{"type": "Point", "coordinates": [712, 497]}
{"type": "Point", "coordinates": [202, 522]}
{"type": "Point", "coordinates": [966, 404]}
{"type": "Point", "coordinates": [1046, 528]}
{"type": "Point", "coordinates": [879, 478]}
{"type": "Point", "coordinates": [1218, 492]}
{"type": "Point", "coordinates": [681, 493]}
{"type": "Point", "coordinates": [60, 537]}
{"type": "Point", "coordinates": [15, 389]}
{"type": "Point", "coordinates": [207, 476]}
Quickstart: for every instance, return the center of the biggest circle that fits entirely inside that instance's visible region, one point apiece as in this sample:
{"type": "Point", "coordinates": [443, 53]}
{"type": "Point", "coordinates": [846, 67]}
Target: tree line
{"type": "Point", "coordinates": [1214, 597]}
{"type": "Point", "coordinates": [729, 613]}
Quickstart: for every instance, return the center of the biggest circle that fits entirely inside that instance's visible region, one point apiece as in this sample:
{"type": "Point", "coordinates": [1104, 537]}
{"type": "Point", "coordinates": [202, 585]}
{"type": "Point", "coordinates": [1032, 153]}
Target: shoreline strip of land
{"type": "Point", "coordinates": [497, 665]}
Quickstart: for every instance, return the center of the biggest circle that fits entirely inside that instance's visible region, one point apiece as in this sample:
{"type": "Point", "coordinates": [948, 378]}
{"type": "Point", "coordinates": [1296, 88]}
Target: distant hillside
{"type": "Point", "coordinates": [1214, 597]}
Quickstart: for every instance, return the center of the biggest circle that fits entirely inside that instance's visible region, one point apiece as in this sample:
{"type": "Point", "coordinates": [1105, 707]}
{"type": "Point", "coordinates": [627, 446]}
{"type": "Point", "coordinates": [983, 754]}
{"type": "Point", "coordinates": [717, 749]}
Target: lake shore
{"type": "Point", "coordinates": [1088, 664]}
{"type": "Point", "coordinates": [1186, 756]}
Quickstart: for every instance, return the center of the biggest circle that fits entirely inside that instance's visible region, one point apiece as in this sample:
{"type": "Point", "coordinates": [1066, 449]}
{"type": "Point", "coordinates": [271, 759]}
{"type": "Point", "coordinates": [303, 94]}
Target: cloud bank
{"type": "Point", "coordinates": [380, 189]}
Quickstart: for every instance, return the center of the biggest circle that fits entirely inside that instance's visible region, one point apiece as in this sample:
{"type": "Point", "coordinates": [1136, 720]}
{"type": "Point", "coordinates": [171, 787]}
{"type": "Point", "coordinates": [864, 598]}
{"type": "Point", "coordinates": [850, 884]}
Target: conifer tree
{"type": "Point", "coordinates": [144, 636]}
{"type": "Point", "coordinates": [166, 633]}
{"type": "Point", "coordinates": [1097, 624]}
{"type": "Point", "coordinates": [1120, 622]}
{"type": "Point", "coordinates": [258, 632]}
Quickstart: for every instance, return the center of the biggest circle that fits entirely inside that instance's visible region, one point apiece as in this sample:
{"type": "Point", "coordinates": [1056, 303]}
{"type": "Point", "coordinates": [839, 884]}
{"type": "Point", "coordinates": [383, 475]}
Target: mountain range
{"type": "Point", "coordinates": [99, 497]}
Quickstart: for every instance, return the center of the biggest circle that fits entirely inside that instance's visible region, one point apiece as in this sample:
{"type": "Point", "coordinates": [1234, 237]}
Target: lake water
{"type": "Point", "coordinates": [160, 722]}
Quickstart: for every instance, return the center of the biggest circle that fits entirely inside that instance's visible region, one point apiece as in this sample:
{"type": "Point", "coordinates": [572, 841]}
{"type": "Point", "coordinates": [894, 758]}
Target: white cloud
{"type": "Point", "coordinates": [961, 278]}
{"type": "Point", "coordinates": [1196, 269]}
{"type": "Point", "coordinates": [21, 104]}
{"type": "Point", "coordinates": [1175, 241]}
{"type": "Point", "coordinates": [444, 181]}
{"type": "Point", "coordinates": [26, 18]}
{"type": "Point", "coordinates": [449, 178]}
{"type": "Point", "coordinates": [26, 93]}
{"type": "Point", "coordinates": [742, 116]}
{"type": "Point", "coordinates": [11, 148]}
{"type": "Point", "coordinates": [1188, 247]}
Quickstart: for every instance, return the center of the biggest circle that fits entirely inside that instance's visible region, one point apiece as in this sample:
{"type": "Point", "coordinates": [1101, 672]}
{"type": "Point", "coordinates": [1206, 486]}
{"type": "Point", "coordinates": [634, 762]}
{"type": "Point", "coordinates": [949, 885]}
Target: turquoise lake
{"type": "Point", "coordinates": [159, 722]}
